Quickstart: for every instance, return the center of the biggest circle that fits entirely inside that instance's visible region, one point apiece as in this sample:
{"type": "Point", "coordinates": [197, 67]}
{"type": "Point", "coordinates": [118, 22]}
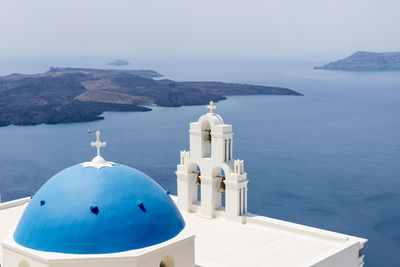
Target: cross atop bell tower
{"type": "Point", "coordinates": [211, 107]}
{"type": "Point", "coordinates": [210, 182]}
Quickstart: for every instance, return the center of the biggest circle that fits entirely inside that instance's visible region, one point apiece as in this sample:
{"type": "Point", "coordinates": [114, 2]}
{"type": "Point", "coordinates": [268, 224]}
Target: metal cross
{"type": "Point", "coordinates": [98, 144]}
{"type": "Point", "coordinates": [211, 107]}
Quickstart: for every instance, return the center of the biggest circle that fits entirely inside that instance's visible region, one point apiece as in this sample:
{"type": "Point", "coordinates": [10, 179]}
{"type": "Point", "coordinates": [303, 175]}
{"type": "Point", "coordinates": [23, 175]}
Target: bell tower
{"type": "Point", "coordinates": [210, 182]}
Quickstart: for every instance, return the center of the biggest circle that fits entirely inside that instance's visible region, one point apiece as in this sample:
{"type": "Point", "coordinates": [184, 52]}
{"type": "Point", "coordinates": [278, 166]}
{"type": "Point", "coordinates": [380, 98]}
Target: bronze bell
{"type": "Point", "coordinates": [221, 188]}
{"type": "Point", "coordinates": [208, 137]}
{"type": "Point", "coordinates": [198, 181]}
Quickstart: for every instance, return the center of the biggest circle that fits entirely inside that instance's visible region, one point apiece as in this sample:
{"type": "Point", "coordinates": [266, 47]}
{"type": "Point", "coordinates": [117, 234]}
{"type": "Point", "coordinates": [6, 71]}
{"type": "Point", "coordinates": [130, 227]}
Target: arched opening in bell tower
{"type": "Point", "coordinates": [194, 171]}
{"type": "Point", "coordinates": [219, 175]}
{"type": "Point", "coordinates": [206, 140]}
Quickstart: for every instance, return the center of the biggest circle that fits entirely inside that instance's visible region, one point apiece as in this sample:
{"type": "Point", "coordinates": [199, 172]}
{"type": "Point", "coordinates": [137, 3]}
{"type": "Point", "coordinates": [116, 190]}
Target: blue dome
{"type": "Point", "coordinates": [94, 211]}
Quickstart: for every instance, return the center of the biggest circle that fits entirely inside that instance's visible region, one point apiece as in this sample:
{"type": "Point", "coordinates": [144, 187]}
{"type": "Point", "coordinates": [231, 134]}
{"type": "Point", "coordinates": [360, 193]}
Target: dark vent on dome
{"type": "Point", "coordinates": [94, 209]}
{"type": "Point", "coordinates": [141, 206]}
{"type": "Point", "coordinates": [42, 202]}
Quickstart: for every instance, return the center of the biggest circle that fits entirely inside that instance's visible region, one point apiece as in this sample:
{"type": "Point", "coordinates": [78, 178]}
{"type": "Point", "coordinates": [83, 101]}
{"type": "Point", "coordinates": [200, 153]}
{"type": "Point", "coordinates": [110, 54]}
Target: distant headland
{"type": "Point", "coordinates": [118, 62]}
{"type": "Point", "coordinates": [80, 94]}
{"type": "Point", "coordinates": [366, 61]}
{"type": "Point", "coordinates": [141, 73]}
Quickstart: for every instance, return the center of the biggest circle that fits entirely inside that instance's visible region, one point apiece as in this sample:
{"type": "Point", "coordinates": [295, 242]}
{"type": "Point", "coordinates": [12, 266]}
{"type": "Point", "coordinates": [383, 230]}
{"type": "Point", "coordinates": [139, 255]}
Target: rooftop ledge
{"type": "Point", "coordinates": [14, 203]}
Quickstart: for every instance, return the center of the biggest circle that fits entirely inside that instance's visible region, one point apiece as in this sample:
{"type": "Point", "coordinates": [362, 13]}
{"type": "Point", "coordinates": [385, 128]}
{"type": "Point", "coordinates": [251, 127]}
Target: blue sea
{"type": "Point", "coordinates": [329, 159]}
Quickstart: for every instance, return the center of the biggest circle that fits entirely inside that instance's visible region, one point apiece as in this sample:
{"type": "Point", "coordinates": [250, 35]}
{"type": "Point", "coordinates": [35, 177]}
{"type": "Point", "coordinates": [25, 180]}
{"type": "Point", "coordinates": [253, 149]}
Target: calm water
{"type": "Point", "coordinates": [329, 159]}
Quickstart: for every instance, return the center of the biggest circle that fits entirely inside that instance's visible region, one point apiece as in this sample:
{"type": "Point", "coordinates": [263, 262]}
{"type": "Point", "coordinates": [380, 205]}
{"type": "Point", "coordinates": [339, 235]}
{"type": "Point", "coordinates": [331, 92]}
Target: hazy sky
{"type": "Point", "coordinates": [201, 28]}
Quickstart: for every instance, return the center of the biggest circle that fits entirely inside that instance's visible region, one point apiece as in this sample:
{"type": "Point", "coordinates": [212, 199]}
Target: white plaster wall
{"type": "Point", "coordinates": [347, 257]}
{"type": "Point", "coordinates": [96, 263]}
{"type": "Point", "coordinates": [183, 256]}
{"type": "Point", "coordinates": [12, 259]}
{"type": "Point", "coordinates": [182, 253]}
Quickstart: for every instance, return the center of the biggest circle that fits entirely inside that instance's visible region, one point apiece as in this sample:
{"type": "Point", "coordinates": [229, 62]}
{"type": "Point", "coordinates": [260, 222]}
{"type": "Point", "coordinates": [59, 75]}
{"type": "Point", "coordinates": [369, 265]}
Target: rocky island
{"type": "Point", "coordinates": [366, 61]}
{"type": "Point", "coordinates": [75, 95]}
{"type": "Point", "coordinates": [141, 73]}
{"type": "Point", "coordinates": [118, 62]}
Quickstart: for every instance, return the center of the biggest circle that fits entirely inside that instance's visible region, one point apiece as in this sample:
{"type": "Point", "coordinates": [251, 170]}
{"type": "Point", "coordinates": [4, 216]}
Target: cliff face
{"type": "Point", "coordinates": [75, 95]}
{"type": "Point", "coordinates": [366, 61]}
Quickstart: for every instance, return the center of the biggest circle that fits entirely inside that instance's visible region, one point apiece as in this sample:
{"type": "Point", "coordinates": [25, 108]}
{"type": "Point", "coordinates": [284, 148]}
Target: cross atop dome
{"type": "Point", "coordinates": [98, 144]}
{"type": "Point", "coordinates": [211, 107]}
{"type": "Point", "coordinates": [98, 161]}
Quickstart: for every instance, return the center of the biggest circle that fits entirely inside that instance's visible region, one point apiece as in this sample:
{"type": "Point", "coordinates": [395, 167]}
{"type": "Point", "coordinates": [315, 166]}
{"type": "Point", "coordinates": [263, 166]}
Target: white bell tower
{"type": "Point", "coordinates": [210, 182]}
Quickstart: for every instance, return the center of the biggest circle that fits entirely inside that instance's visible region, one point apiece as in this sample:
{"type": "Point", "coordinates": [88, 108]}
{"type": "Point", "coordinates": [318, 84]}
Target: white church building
{"type": "Point", "coordinates": [104, 214]}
